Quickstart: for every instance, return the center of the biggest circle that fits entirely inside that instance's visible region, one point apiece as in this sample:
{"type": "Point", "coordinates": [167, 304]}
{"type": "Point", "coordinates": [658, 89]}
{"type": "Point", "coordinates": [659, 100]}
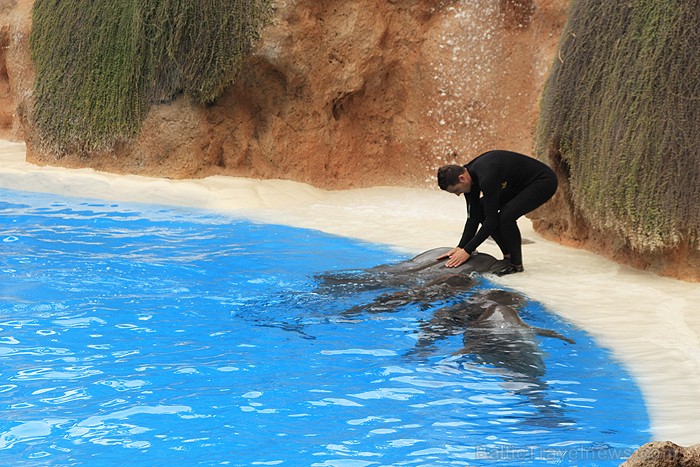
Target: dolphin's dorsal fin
{"type": "Point", "coordinates": [550, 333]}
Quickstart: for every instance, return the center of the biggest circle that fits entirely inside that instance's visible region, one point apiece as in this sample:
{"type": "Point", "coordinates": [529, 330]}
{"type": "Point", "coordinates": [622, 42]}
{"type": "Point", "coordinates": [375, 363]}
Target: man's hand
{"type": "Point", "coordinates": [457, 257]}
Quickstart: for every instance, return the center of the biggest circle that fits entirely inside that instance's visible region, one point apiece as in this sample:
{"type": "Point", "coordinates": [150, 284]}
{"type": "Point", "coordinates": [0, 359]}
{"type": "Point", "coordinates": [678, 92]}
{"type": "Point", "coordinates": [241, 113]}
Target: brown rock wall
{"type": "Point", "coordinates": [345, 94]}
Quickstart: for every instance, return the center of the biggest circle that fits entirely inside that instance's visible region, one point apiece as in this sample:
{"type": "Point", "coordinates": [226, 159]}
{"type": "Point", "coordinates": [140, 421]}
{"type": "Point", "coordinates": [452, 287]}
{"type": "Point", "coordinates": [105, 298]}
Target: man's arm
{"type": "Point", "coordinates": [491, 190]}
{"type": "Point", "coordinates": [474, 218]}
{"type": "Point", "coordinates": [457, 256]}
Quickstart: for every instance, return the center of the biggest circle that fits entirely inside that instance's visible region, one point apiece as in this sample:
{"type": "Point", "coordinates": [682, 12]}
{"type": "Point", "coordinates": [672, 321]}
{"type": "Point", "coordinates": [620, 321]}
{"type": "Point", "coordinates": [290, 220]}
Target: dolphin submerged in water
{"type": "Point", "coordinates": [495, 338]}
{"type": "Point", "coordinates": [499, 337]}
{"type": "Point", "coordinates": [499, 341]}
{"type": "Point", "coordinates": [455, 319]}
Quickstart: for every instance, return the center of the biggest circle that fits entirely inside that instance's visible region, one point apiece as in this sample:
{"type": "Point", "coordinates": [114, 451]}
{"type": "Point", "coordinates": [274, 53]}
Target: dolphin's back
{"type": "Point", "coordinates": [478, 262]}
{"type": "Point", "coordinates": [423, 270]}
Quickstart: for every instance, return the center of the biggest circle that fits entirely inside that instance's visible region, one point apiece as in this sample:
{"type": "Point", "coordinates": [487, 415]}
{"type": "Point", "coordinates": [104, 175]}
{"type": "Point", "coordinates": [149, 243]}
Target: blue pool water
{"type": "Point", "coordinates": [152, 335]}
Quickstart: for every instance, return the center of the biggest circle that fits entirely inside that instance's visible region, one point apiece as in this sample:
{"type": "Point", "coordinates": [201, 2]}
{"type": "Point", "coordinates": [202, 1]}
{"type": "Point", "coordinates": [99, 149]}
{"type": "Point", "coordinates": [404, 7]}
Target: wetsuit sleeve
{"type": "Point", "coordinates": [491, 191]}
{"type": "Point", "coordinates": [474, 217]}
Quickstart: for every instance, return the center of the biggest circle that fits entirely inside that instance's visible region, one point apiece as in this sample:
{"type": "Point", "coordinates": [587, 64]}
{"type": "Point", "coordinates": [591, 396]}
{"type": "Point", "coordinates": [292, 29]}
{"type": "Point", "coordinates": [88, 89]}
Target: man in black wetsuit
{"type": "Point", "coordinates": [499, 186]}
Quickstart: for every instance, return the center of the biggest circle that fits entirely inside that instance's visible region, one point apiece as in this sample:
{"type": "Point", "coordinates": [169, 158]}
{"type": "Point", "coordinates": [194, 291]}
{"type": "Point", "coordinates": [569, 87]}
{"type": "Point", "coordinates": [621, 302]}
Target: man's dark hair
{"type": "Point", "coordinates": [449, 175]}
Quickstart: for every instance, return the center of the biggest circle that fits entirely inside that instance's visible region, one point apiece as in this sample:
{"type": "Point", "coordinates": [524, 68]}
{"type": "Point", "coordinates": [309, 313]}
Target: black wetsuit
{"type": "Point", "coordinates": [512, 185]}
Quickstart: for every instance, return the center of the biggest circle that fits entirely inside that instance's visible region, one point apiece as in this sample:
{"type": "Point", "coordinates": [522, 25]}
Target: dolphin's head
{"type": "Point", "coordinates": [500, 297]}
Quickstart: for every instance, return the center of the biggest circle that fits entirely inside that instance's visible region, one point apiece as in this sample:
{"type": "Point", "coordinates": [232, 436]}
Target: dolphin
{"type": "Point", "coordinates": [422, 270]}
{"type": "Point", "coordinates": [453, 320]}
{"type": "Point", "coordinates": [499, 337]}
{"type": "Point", "coordinates": [505, 344]}
{"type": "Point", "coordinates": [439, 289]}
{"type": "Point", "coordinates": [422, 280]}
{"type": "Point", "coordinates": [502, 317]}
{"type": "Point", "coordinates": [427, 263]}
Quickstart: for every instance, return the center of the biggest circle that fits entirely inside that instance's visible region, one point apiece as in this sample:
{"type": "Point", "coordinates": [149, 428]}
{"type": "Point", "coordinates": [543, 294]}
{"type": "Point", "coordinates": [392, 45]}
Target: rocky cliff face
{"type": "Point", "coordinates": [619, 122]}
{"type": "Point", "coordinates": [339, 94]}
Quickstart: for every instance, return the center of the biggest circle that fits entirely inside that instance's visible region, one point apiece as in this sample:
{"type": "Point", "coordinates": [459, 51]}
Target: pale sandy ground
{"type": "Point", "coordinates": [651, 324]}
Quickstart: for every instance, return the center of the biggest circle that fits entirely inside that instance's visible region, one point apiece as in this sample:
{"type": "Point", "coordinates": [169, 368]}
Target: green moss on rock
{"type": "Point", "coordinates": [100, 64]}
{"type": "Point", "coordinates": [620, 108]}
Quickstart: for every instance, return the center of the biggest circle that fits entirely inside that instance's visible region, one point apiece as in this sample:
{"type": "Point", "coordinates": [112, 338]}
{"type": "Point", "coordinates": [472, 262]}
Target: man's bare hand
{"type": "Point", "coordinates": [447, 255]}
{"type": "Point", "coordinates": [457, 257]}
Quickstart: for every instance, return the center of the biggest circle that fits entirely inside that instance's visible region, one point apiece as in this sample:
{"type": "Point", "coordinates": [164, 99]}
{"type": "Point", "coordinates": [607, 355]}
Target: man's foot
{"type": "Point", "coordinates": [510, 268]}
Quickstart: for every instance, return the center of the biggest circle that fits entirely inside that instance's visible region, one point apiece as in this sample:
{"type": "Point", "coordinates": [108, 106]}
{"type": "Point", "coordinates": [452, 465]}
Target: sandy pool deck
{"type": "Point", "coordinates": [652, 324]}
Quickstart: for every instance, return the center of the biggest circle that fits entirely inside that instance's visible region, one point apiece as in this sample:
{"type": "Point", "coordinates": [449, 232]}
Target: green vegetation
{"type": "Point", "coordinates": [621, 110]}
{"type": "Point", "coordinates": [100, 64]}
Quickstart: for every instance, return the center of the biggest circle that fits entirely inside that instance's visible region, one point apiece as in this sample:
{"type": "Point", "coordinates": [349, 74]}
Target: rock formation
{"type": "Point", "coordinates": [664, 454]}
{"type": "Point", "coordinates": [619, 122]}
{"type": "Point", "coordinates": [16, 72]}
{"type": "Point", "coordinates": [346, 94]}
